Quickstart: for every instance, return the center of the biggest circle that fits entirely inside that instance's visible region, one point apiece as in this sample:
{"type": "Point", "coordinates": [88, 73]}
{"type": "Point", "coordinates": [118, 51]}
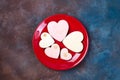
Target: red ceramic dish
{"type": "Point", "coordinates": [59, 64]}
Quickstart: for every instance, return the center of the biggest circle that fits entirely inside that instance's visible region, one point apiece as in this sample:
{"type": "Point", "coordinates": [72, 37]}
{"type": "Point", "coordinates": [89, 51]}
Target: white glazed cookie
{"type": "Point", "coordinates": [53, 51]}
{"type": "Point", "coordinates": [65, 55]}
{"type": "Point", "coordinates": [58, 30]}
{"type": "Point", "coordinates": [74, 41]}
{"type": "Point", "coordinates": [46, 40]}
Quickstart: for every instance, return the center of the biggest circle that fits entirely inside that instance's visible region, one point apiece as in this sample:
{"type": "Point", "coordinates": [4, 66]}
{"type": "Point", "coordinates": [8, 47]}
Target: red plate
{"type": "Point", "coordinates": [59, 64]}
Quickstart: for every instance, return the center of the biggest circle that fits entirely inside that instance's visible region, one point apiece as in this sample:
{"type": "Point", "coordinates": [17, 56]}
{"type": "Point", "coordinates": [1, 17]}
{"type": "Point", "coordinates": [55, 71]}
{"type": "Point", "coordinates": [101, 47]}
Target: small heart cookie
{"type": "Point", "coordinates": [46, 41]}
{"type": "Point", "coordinates": [74, 41]}
{"type": "Point", "coordinates": [53, 51]}
{"type": "Point", "coordinates": [65, 55]}
{"type": "Point", "coordinates": [58, 30]}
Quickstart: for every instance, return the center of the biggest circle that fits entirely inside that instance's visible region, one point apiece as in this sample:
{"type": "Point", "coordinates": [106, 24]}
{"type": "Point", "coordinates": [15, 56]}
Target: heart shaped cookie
{"type": "Point", "coordinates": [46, 41]}
{"type": "Point", "coordinates": [58, 30]}
{"type": "Point", "coordinates": [65, 55]}
{"type": "Point", "coordinates": [74, 41]}
{"type": "Point", "coordinates": [53, 51]}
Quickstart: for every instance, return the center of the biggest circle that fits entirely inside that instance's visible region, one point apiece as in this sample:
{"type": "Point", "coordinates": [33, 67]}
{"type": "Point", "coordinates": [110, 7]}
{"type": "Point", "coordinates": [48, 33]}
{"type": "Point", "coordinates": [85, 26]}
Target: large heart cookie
{"type": "Point", "coordinates": [74, 41]}
{"type": "Point", "coordinates": [58, 30]}
{"type": "Point", "coordinates": [53, 51]}
{"type": "Point", "coordinates": [65, 55]}
{"type": "Point", "coordinates": [46, 41]}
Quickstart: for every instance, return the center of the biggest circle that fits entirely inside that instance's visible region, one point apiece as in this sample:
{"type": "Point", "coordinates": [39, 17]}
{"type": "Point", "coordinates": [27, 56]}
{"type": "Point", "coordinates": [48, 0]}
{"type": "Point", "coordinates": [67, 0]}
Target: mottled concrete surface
{"type": "Point", "coordinates": [19, 18]}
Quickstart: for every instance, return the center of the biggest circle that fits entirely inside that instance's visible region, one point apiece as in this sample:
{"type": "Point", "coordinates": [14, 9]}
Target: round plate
{"type": "Point", "coordinates": [59, 64]}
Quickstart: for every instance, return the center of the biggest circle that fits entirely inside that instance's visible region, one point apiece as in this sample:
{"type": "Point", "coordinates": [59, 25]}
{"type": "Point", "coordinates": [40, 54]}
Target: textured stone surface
{"type": "Point", "coordinates": [19, 18]}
